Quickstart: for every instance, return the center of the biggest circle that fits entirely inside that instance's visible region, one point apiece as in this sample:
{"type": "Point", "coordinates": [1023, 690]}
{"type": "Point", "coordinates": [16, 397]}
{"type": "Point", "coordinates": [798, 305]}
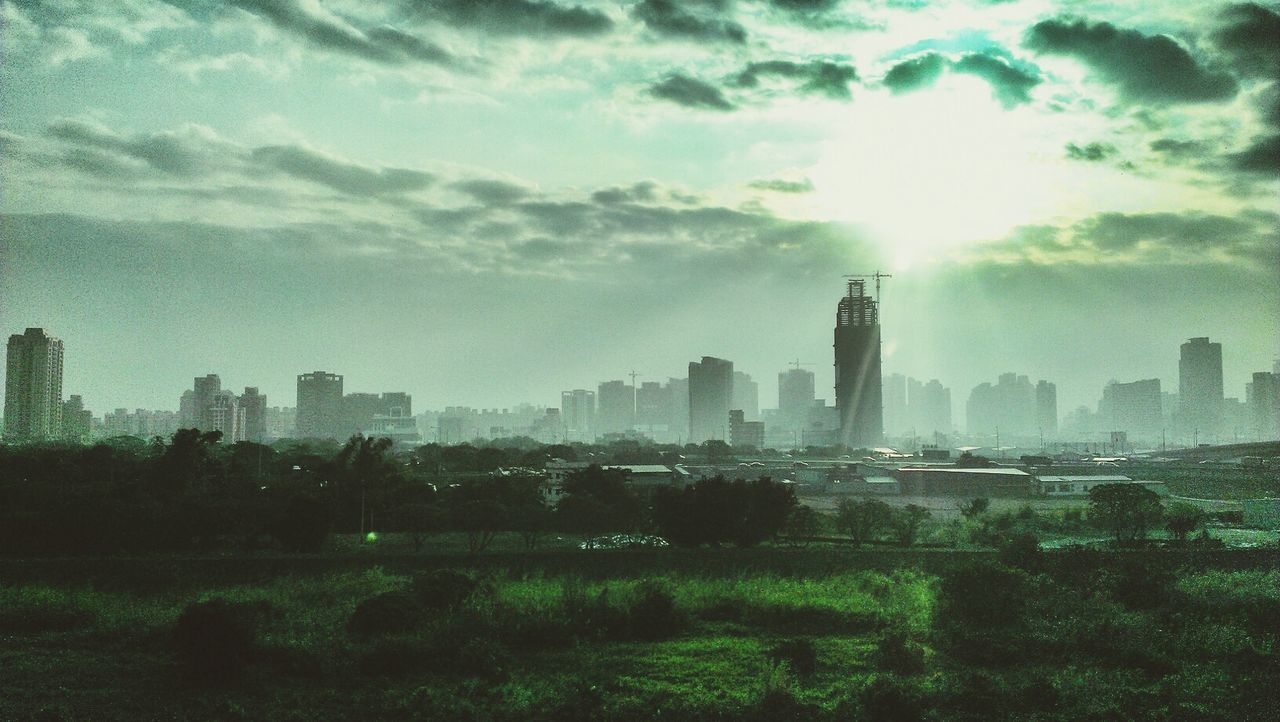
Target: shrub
{"type": "Point", "coordinates": [892, 699]}
{"type": "Point", "coordinates": [443, 589]}
{"type": "Point", "coordinates": [799, 655]}
{"type": "Point", "coordinates": [213, 639]}
{"type": "Point", "coordinates": [896, 653]}
{"type": "Point", "coordinates": [653, 613]}
{"type": "Point", "coordinates": [387, 613]}
{"type": "Point", "coordinates": [1021, 551]}
{"type": "Point", "coordinates": [394, 657]}
{"type": "Point", "coordinates": [484, 658]}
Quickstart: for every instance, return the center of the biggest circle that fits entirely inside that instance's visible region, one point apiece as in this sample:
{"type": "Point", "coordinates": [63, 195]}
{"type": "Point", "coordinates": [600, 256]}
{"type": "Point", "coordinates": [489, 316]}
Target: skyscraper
{"type": "Point", "coordinates": [857, 368]}
{"type": "Point", "coordinates": [615, 407]}
{"type": "Point", "coordinates": [929, 407]}
{"type": "Point", "coordinates": [33, 387]}
{"type": "Point", "coordinates": [578, 411]}
{"type": "Point", "coordinates": [1264, 405]}
{"type": "Point", "coordinates": [710, 397]}
{"type": "Point", "coordinates": [1047, 408]}
{"type": "Point", "coordinates": [746, 396]}
{"type": "Point", "coordinates": [319, 404]}
{"type": "Point", "coordinates": [895, 404]}
{"type": "Point", "coordinates": [795, 398]}
{"type": "Point", "coordinates": [254, 406]}
{"type": "Point", "coordinates": [1200, 386]}
{"type": "Point", "coordinates": [1134, 408]}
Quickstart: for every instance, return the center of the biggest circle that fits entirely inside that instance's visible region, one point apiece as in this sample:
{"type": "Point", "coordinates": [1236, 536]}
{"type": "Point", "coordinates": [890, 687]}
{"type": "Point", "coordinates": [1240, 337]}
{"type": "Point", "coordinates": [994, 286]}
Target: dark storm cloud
{"type": "Point", "coordinates": [383, 45]}
{"type": "Point", "coordinates": [1195, 231]}
{"type": "Point", "coordinates": [1148, 68]}
{"type": "Point", "coordinates": [817, 14]}
{"type": "Point", "coordinates": [691, 93]}
{"type": "Point", "coordinates": [777, 185]}
{"type": "Point", "coordinates": [915, 73]}
{"type": "Point", "coordinates": [672, 19]}
{"type": "Point", "coordinates": [517, 17]}
{"type": "Point", "coordinates": [819, 76]}
{"type": "Point", "coordinates": [1262, 156]}
{"type": "Point", "coordinates": [642, 192]}
{"type": "Point", "coordinates": [1011, 85]}
{"type": "Point", "coordinates": [1251, 36]}
{"type": "Point", "coordinates": [491, 192]}
{"type": "Point", "coordinates": [1174, 148]}
{"type": "Point", "coordinates": [1090, 152]}
{"type": "Point", "coordinates": [351, 178]}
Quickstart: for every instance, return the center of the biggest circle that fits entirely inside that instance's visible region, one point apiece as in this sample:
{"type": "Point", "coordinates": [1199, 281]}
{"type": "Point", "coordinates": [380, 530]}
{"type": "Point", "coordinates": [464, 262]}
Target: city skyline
{"type": "Point", "coordinates": [490, 206]}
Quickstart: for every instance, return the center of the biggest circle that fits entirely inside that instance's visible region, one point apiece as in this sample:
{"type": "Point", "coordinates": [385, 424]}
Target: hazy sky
{"type": "Point", "coordinates": [485, 202]}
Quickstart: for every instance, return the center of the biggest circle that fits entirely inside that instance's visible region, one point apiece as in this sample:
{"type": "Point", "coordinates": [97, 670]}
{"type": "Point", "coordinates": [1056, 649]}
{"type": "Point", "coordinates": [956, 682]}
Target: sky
{"type": "Point", "coordinates": [486, 202]}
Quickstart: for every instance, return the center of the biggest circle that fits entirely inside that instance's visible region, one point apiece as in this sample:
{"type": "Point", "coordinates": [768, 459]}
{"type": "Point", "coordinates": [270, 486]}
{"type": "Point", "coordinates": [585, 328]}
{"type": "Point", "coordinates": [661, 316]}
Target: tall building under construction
{"type": "Point", "coordinates": [857, 368]}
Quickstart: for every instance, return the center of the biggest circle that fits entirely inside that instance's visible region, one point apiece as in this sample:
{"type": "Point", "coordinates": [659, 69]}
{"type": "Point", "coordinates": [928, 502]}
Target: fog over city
{"type": "Point", "coordinates": [489, 203]}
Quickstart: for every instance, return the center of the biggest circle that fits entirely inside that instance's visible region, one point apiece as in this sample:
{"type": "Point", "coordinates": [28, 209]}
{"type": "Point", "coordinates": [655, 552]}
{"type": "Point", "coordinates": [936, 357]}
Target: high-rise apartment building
{"type": "Point", "coordinates": [319, 413]}
{"type": "Point", "coordinates": [929, 408]}
{"type": "Point", "coordinates": [578, 413]}
{"type": "Point", "coordinates": [224, 414]}
{"type": "Point", "coordinates": [1263, 399]}
{"type": "Point", "coordinates": [1008, 407]}
{"type": "Point", "coordinates": [894, 394]}
{"type": "Point", "coordinates": [77, 421]}
{"type": "Point", "coordinates": [1134, 408]}
{"type": "Point", "coordinates": [746, 396]}
{"type": "Point", "coordinates": [1047, 409]}
{"type": "Point", "coordinates": [33, 387]}
{"type": "Point", "coordinates": [1200, 387]}
{"type": "Point", "coordinates": [710, 397]}
{"type": "Point", "coordinates": [615, 407]}
{"type": "Point", "coordinates": [857, 368]}
{"type": "Point", "coordinates": [254, 407]}
{"type": "Point", "coordinates": [795, 398]}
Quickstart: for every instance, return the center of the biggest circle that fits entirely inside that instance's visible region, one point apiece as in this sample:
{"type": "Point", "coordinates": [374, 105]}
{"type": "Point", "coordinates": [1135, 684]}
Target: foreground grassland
{"type": "Point", "coordinates": [1043, 636]}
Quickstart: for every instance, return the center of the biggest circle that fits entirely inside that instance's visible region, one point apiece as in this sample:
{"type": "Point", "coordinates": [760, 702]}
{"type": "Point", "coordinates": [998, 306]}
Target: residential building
{"type": "Point", "coordinates": [743, 433]}
{"type": "Point", "coordinates": [1134, 408]}
{"type": "Point", "coordinates": [254, 407]}
{"type": "Point", "coordinates": [615, 407]}
{"type": "Point", "coordinates": [710, 396]}
{"type": "Point", "coordinates": [578, 412]}
{"type": "Point", "coordinates": [1047, 409]}
{"type": "Point", "coordinates": [746, 396]}
{"type": "Point", "coordinates": [1200, 387]}
{"type": "Point", "coordinates": [33, 387]}
{"type": "Point", "coordinates": [319, 410]}
{"type": "Point", "coordinates": [77, 421]}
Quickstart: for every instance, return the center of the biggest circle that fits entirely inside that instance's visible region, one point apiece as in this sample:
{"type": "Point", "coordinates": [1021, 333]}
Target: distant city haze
{"type": "Point", "coordinates": [489, 213]}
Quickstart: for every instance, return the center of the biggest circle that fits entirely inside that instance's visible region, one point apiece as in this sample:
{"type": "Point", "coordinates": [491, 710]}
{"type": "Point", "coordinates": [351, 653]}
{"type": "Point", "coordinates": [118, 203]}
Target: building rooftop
{"type": "Point", "coordinates": [997, 470]}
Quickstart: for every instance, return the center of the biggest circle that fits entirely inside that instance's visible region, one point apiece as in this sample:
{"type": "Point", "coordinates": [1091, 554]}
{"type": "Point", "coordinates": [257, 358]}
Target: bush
{"type": "Point", "coordinates": [1021, 551]}
{"type": "Point", "coordinates": [442, 590]}
{"type": "Point", "coordinates": [395, 657]}
{"type": "Point", "coordinates": [484, 658]}
{"type": "Point", "coordinates": [799, 655]}
{"type": "Point", "coordinates": [387, 613]}
{"type": "Point", "coordinates": [896, 653]}
{"type": "Point", "coordinates": [212, 640]}
{"type": "Point", "coordinates": [891, 699]}
{"type": "Point", "coordinates": [653, 613]}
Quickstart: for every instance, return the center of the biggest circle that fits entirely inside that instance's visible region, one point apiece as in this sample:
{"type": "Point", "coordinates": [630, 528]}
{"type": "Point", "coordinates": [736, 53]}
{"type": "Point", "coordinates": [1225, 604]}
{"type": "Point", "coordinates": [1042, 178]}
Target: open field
{"type": "Point", "coordinates": [665, 634]}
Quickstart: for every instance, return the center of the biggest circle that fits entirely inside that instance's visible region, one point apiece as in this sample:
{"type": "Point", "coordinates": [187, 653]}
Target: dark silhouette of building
{"type": "Point", "coordinates": [857, 368]}
{"type": "Point", "coordinates": [1262, 395]}
{"type": "Point", "coordinates": [77, 421]}
{"type": "Point", "coordinates": [1047, 408]}
{"type": "Point", "coordinates": [254, 406]}
{"type": "Point", "coordinates": [1200, 387]}
{"type": "Point", "coordinates": [615, 407]}
{"type": "Point", "coordinates": [1134, 408]}
{"type": "Point", "coordinates": [319, 412]}
{"type": "Point", "coordinates": [710, 397]}
{"type": "Point", "coordinates": [33, 387]}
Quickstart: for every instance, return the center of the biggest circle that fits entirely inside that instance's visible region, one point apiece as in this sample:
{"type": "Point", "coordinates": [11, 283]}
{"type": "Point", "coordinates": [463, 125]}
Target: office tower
{"type": "Point", "coordinates": [319, 411]}
{"type": "Point", "coordinates": [397, 403]}
{"type": "Point", "coordinates": [615, 407]}
{"type": "Point", "coordinates": [710, 395]}
{"type": "Point", "coordinates": [1263, 399]}
{"type": "Point", "coordinates": [1135, 408]}
{"type": "Point", "coordinates": [743, 433]}
{"type": "Point", "coordinates": [254, 406]}
{"type": "Point", "coordinates": [652, 406]}
{"type": "Point", "coordinates": [1008, 407]}
{"type": "Point", "coordinates": [1200, 387]}
{"type": "Point", "coordinates": [224, 414]}
{"type": "Point", "coordinates": [746, 396]}
{"type": "Point", "coordinates": [857, 368]}
{"type": "Point", "coordinates": [194, 408]}
{"type": "Point", "coordinates": [77, 421]}
{"type": "Point", "coordinates": [358, 410]}
{"type": "Point", "coordinates": [33, 387]}
{"type": "Point", "coordinates": [895, 405]}
{"type": "Point", "coordinates": [929, 407]}
{"type": "Point", "coordinates": [578, 412]}
{"type": "Point", "coordinates": [795, 398]}
{"type": "Point", "coordinates": [1047, 409]}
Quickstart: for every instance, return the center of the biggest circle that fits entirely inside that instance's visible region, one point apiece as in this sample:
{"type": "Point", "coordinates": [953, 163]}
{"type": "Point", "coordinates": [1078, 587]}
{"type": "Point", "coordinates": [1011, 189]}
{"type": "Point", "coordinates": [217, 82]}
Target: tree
{"type": "Point", "coordinates": [802, 524]}
{"type": "Point", "coordinates": [862, 519]}
{"type": "Point", "coordinates": [597, 500]}
{"type": "Point", "coordinates": [906, 523]}
{"type": "Point", "coordinates": [417, 520]}
{"type": "Point", "coordinates": [974, 508]}
{"type": "Point", "coordinates": [1181, 519]}
{"type": "Point", "coordinates": [1125, 510]}
{"type": "Point", "coordinates": [365, 461]}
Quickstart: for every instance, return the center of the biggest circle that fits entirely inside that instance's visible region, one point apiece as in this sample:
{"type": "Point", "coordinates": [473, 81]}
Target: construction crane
{"type": "Point", "coordinates": [877, 275]}
{"type": "Point", "coordinates": [797, 364]}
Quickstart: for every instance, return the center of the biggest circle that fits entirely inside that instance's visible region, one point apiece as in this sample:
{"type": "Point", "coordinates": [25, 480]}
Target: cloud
{"type": "Point", "coordinates": [671, 19]}
{"type": "Point", "coordinates": [531, 18]}
{"type": "Point", "coordinates": [818, 76]}
{"type": "Point", "coordinates": [1251, 36]}
{"type": "Point", "coordinates": [316, 167]}
{"type": "Point", "coordinates": [642, 192]}
{"type": "Point", "coordinates": [1146, 68]}
{"type": "Point", "coordinates": [491, 192]}
{"type": "Point", "coordinates": [1179, 149]}
{"type": "Point", "coordinates": [1262, 156]}
{"type": "Point", "coordinates": [1090, 152]}
{"type": "Point", "coordinates": [691, 93]}
{"type": "Point", "coordinates": [778, 185]}
{"type": "Point", "coordinates": [327, 31]}
{"type": "Point", "coordinates": [189, 151]}
{"type": "Point", "coordinates": [1011, 85]}
{"type": "Point", "coordinates": [816, 14]}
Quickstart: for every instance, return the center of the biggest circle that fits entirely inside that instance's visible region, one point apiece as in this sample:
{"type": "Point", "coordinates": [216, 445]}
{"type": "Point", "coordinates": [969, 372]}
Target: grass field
{"type": "Point", "coordinates": [1079, 637]}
